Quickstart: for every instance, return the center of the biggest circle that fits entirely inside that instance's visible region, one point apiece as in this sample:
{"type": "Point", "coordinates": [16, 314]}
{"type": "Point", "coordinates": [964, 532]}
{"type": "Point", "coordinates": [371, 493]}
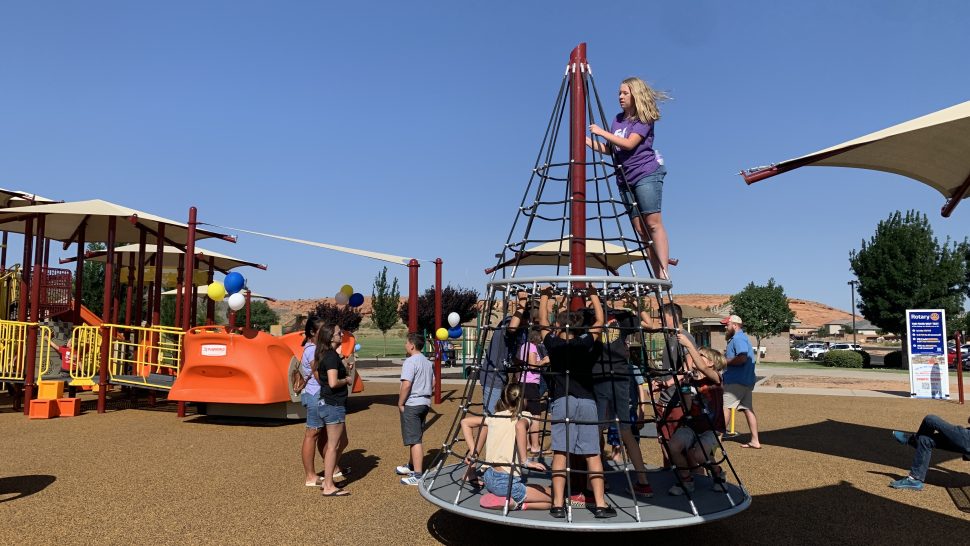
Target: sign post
{"type": "Point", "coordinates": [928, 373]}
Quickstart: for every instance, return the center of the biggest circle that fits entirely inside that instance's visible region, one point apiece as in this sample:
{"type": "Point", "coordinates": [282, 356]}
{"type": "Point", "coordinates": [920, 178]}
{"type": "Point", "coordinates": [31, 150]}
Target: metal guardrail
{"type": "Point", "coordinates": [135, 355]}
{"type": "Point", "coordinates": [85, 355]}
{"type": "Point", "coordinates": [13, 350]}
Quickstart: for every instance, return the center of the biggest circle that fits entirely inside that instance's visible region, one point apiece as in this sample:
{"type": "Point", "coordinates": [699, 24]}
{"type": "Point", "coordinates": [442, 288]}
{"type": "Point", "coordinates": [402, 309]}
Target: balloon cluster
{"type": "Point", "coordinates": [230, 286]}
{"type": "Point", "coordinates": [454, 332]}
{"type": "Point", "coordinates": [347, 296]}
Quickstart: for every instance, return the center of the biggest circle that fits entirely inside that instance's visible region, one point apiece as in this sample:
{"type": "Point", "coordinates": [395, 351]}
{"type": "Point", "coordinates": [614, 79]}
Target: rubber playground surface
{"type": "Point", "coordinates": [141, 474]}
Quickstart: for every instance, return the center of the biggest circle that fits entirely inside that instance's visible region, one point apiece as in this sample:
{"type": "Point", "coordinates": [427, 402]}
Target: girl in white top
{"type": "Point", "coordinates": [505, 436]}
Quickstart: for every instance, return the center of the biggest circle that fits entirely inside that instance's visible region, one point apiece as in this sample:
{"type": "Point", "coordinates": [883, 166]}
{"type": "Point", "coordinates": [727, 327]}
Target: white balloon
{"type": "Point", "coordinates": [454, 319]}
{"type": "Point", "coordinates": [236, 301]}
{"type": "Point", "coordinates": [342, 299]}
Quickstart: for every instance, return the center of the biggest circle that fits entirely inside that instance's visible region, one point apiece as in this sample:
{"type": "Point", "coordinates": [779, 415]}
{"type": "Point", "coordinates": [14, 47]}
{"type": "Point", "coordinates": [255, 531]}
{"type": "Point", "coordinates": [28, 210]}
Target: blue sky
{"type": "Point", "coordinates": [411, 128]}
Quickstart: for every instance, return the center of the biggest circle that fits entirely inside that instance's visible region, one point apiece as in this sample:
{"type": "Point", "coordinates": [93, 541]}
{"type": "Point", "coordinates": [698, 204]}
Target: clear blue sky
{"type": "Point", "coordinates": [410, 127]}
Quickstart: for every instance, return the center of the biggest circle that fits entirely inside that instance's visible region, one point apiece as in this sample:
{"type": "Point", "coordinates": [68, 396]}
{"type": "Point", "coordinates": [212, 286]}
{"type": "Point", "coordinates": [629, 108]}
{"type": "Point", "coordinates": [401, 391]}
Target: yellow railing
{"type": "Point", "coordinates": [9, 284]}
{"type": "Point", "coordinates": [139, 352]}
{"type": "Point", "coordinates": [13, 350]}
{"type": "Point", "coordinates": [85, 355]}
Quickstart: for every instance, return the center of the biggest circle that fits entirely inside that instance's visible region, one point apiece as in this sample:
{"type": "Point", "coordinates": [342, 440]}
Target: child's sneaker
{"type": "Point", "coordinates": [643, 490]}
{"type": "Point", "coordinates": [678, 490]}
{"type": "Point", "coordinates": [901, 437]}
{"type": "Point", "coordinates": [413, 479]}
{"type": "Point", "coordinates": [404, 470]}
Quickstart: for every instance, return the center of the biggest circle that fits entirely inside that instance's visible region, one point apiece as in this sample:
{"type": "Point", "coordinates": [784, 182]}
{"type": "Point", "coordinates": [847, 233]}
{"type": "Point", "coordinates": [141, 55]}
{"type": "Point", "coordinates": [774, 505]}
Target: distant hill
{"type": "Point", "coordinates": [812, 314]}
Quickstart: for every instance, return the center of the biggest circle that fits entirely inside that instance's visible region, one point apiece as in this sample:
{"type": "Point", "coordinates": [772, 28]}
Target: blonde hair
{"type": "Point", "coordinates": [716, 358]}
{"type": "Point", "coordinates": [645, 99]}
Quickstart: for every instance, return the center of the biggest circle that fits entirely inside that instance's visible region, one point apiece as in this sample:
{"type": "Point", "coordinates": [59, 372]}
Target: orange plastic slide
{"type": "Point", "coordinates": [87, 316]}
{"type": "Point", "coordinates": [234, 369]}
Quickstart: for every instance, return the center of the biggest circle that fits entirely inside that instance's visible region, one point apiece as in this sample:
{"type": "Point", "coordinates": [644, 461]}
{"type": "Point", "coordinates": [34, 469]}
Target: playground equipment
{"type": "Point", "coordinates": [575, 195]}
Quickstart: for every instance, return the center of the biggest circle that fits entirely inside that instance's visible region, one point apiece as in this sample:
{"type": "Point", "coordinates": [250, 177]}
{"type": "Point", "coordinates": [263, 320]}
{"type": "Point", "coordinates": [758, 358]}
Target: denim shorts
{"type": "Point", "coordinates": [497, 483]}
{"type": "Point", "coordinates": [332, 415]}
{"type": "Point", "coordinates": [312, 404]}
{"type": "Point", "coordinates": [580, 439]}
{"type": "Point", "coordinates": [645, 192]}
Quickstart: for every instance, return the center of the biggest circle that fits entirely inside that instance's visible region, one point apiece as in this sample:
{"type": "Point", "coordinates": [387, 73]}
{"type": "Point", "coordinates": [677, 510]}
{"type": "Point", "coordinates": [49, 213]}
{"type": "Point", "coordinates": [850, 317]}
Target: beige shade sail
{"type": "Point", "coordinates": [202, 294]}
{"type": "Point", "coordinates": [221, 262]}
{"type": "Point", "coordinates": [63, 221]}
{"type": "Point", "coordinates": [599, 255]}
{"type": "Point", "coordinates": [933, 149]}
{"type": "Point", "coordinates": [18, 198]}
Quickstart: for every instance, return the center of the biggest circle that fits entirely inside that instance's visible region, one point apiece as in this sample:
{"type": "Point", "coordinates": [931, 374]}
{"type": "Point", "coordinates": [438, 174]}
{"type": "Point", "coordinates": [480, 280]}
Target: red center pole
{"type": "Point", "coordinates": [25, 270]}
{"type": "Point", "coordinates": [106, 317]}
{"type": "Point", "coordinates": [140, 279]}
{"type": "Point", "coordinates": [187, 306]}
{"type": "Point", "coordinates": [413, 266]}
{"type": "Point", "coordinates": [437, 324]}
{"type": "Point", "coordinates": [155, 309]}
{"type": "Point", "coordinates": [31, 356]}
{"type": "Point", "coordinates": [577, 167]}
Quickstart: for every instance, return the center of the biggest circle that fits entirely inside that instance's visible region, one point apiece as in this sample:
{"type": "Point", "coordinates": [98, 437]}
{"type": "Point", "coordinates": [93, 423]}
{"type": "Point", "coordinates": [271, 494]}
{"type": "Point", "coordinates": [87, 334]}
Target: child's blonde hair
{"type": "Point", "coordinates": [716, 358]}
{"type": "Point", "coordinates": [645, 99]}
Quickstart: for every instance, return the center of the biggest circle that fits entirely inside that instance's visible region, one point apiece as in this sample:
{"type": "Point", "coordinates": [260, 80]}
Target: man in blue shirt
{"type": "Point", "coordinates": [739, 378]}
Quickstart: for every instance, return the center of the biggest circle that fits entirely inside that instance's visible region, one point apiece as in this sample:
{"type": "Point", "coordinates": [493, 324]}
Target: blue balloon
{"type": "Point", "coordinates": [357, 299]}
{"type": "Point", "coordinates": [454, 333]}
{"type": "Point", "coordinates": [234, 282]}
{"type": "Point", "coordinates": [357, 347]}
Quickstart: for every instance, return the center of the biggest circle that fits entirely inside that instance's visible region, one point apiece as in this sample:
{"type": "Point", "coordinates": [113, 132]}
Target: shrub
{"type": "Point", "coordinates": [794, 354]}
{"type": "Point", "coordinates": [866, 359]}
{"type": "Point", "coordinates": [843, 359]}
{"type": "Point", "coordinates": [893, 360]}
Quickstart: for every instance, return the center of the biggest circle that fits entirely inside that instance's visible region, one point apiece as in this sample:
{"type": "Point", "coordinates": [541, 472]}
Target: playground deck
{"type": "Point", "coordinates": [142, 472]}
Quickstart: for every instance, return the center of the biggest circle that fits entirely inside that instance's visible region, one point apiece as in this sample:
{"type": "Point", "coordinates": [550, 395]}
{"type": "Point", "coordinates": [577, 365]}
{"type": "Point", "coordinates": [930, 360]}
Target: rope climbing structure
{"type": "Point", "coordinates": [571, 219]}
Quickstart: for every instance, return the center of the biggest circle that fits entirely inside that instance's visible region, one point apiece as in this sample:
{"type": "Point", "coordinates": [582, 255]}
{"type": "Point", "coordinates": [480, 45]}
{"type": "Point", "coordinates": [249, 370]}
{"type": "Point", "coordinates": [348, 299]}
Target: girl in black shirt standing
{"type": "Point", "coordinates": [331, 373]}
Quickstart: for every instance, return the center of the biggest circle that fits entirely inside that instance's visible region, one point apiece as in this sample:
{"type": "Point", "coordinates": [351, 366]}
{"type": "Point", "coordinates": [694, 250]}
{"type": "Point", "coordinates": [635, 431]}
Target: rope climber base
{"type": "Point", "coordinates": [591, 338]}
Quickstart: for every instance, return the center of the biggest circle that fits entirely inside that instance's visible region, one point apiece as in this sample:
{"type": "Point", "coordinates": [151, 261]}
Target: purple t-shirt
{"type": "Point", "coordinates": [640, 161]}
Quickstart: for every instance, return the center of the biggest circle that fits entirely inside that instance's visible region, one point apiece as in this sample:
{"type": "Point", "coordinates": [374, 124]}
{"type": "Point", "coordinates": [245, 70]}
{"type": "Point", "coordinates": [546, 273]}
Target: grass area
{"type": "Point", "coordinates": [372, 344]}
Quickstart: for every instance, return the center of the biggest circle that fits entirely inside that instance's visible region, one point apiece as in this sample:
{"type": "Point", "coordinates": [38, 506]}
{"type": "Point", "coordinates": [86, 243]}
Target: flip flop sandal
{"type": "Point", "coordinates": [337, 493]}
{"type": "Point", "coordinates": [749, 446]}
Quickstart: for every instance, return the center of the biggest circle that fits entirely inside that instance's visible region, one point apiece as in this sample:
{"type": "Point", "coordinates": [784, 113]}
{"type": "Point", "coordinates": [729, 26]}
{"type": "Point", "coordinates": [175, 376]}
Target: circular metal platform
{"type": "Point", "coordinates": [445, 489]}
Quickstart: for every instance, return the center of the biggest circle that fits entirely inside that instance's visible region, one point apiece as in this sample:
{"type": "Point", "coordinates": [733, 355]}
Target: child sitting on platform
{"type": "Point", "coordinates": [575, 429]}
{"type": "Point", "coordinates": [505, 436]}
{"type": "Point", "coordinates": [694, 444]}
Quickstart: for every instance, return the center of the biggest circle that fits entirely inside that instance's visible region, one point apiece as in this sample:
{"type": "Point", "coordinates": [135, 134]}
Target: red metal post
{"type": "Point", "coordinates": [129, 291]}
{"type": "Point", "coordinates": [3, 252]}
{"type": "Point", "coordinates": [178, 292]}
{"type": "Point", "coordinates": [577, 167]}
{"type": "Point", "coordinates": [79, 274]}
{"type": "Point", "coordinates": [106, 317]}
{"type": "Point", "coordinates": [31, 356]}
{"type": "Point", "coordinates": [248, 309]}
{"type": "Point", "coordinates": [140, 290]}
{"type": "Point", "coordinates": [413, 266]}
{"type": "Point", "coordinates": [25, 270]}
{"type": "Point", "coordinates": [437, 324]}
{"type": "Point", "coordinates": [155, 309]}
{"type": "Point", "coordinates": [959, 361]}
{"type": "Point", "coordinates": [187, 307]}
{"type": "Point", "coordinates": [210, 304]}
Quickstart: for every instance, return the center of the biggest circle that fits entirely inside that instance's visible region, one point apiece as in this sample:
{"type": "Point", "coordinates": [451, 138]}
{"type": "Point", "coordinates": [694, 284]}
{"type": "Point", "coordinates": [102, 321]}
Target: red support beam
{"type": "Point", "coordinates": [25, 270]}
{"type": "Point", "coordinates": [106, 317]}
{"type": "Point", "coordinates": [437, 324]}
{"type": "Point", "coordinates": [129, 291]}
{"type": "Point", "coordinates": [32, 317]}
{"type": "Point", "coordinates": [3, 252]}
{"type": "Point", "coordinates": [577, 167]}
{"type": "Point", "coordinates": [79, 274]}
{"type": "Point", "coordinates": [155, 309]}
{"type": "Point", "coordinates": [187, 306]}
{"type": "Point", "coordinates": [210, 304]}
{"type": "Point", "coordinates": [413, 266]}
{"type": "Point", "coordinates": [140, 289]}
{"type": "Point", "coordinates": [179, 279]}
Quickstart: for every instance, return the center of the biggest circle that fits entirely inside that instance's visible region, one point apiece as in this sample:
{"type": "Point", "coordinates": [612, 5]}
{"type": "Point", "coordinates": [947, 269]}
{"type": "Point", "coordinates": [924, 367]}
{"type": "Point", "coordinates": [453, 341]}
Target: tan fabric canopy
{"type": "Point", "coordinates": [399, 260]}
{"type": "Point", "coordinates": [17, 198]}
{"type": "Point", "coordinates": [599, 255]}
{"type": "Point", "coordinates": [933, 149]}
{"type": "Point", "coordinates": [64, 219]}
{"type": "Point", "coordinates": [221, 262]}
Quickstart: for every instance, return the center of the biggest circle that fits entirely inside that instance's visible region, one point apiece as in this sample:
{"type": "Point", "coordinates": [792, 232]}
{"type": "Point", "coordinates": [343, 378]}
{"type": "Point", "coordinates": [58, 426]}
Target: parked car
{"type": "Point", "coordinates": [845, 347]}
{"type": "Point", "coordinates": [816, 351]}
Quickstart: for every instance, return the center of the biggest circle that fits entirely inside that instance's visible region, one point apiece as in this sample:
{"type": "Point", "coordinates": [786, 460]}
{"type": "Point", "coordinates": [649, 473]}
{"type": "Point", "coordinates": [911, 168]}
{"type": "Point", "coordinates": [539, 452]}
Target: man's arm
{"type": "Point", "coordinates": [402, 397]}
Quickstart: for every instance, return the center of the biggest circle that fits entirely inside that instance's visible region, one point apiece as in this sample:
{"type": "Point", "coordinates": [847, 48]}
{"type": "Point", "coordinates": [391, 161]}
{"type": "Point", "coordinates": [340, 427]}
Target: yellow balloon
{"type": "Point", "coordinates": [347, 289]}
{"type": "Point", "coordinates": [441, 334]}
{"type": "Point", "coordinates": [216, 291]}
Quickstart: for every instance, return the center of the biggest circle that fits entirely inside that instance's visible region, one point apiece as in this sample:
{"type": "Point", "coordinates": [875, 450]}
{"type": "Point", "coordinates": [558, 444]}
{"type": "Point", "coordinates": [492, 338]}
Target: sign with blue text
{"type": "Point", "coordinates": [926, 334]}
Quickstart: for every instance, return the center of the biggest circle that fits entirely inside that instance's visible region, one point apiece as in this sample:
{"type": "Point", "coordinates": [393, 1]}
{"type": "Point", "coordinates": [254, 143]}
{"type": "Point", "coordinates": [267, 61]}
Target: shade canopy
{"type": "Point", "coordinates": [933, 149]}
{"type": "Point", "coordinates": [18, 198]}
{"type": "Point", "coordinates": [599, 255]}
{"type": "Point", "coordinates": [221, 262]}
{"type": "Point", "coordinates": [63, 221]}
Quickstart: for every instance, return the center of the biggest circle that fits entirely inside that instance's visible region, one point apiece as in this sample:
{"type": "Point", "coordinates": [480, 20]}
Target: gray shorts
{"type": "Point", "coordinates": [580, 439]}
{"type": "Point", "coordinates": [737, 396]}
{"type": "Point", "coordinates": [612, 401]}
{"type": "Point", "coordinates": [412, 423]}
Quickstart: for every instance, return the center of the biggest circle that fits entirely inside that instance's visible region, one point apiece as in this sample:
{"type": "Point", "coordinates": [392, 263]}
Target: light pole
{"type": "Point", "coordinates": [852, 285]}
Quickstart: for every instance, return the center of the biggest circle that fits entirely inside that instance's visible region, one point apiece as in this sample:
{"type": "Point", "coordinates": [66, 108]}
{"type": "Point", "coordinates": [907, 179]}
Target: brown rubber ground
{"type": "Point", "coordinates": [138, 474]}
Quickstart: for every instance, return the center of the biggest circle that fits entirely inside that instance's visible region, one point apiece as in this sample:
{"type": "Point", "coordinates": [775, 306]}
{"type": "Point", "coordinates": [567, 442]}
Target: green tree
{"type": "Point", "coordinates": [167, 311]}
{"type": "Point", "coordinates": [903, 266]}
{"type": "Point", "coordinates": [92, 281]}
{"type": "Point", "coordinates": [385, 300]}
{"type": "Point", "coordinates": [344, 316]}
{"type": "Point", "coordinates": [764, 310]}
{"type": "Point", "coordinates": [261, 316]}
{"type": "Point", "coordinates": [463, 301]}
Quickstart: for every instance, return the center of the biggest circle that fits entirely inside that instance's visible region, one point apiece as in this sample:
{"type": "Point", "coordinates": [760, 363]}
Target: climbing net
{"type": "Point", "coordinates": [630, 314]}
